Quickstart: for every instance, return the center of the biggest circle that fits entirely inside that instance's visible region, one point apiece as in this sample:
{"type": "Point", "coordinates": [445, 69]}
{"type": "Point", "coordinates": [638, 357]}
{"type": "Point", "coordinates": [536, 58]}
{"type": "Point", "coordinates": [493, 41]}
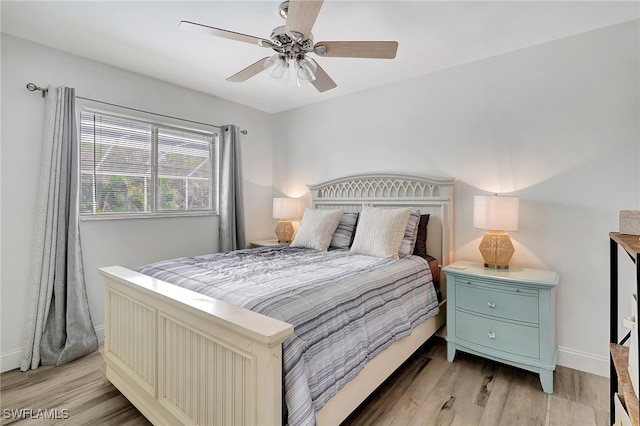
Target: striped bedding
{"type": "Point", "coordinates": [345, 308]}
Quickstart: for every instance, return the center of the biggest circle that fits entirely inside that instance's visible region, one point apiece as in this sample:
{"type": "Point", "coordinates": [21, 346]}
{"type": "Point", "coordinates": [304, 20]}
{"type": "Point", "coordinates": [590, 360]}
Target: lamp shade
{"type": "Point", "coordinates": [285, 208]}
{"type": "Point", "coordinates": [496, 212]}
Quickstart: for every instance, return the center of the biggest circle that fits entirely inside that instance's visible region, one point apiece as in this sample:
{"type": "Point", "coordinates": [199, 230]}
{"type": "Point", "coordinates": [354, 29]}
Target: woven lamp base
{"type": "Point", "coordinates": [284, 231]}
{"type": "Point", "coordinates": [496, 249]}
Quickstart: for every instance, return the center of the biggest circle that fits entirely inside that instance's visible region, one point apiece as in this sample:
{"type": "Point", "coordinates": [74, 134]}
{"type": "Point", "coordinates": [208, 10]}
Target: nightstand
{"type": "Point", "coordinates": [508, 316]}
{"type": "Point", "coordinates": [264, 243]}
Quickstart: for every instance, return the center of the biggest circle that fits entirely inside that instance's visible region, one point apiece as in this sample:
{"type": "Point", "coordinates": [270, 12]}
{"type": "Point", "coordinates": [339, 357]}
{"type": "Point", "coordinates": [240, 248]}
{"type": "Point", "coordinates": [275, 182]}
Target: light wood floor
{"type": "Point", "coordinates": [427, 390]}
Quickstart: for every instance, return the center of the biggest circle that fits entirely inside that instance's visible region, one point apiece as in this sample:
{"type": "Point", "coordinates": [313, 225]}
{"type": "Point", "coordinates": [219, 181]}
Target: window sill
{"type": "Point", "coordinates": [117, 216]}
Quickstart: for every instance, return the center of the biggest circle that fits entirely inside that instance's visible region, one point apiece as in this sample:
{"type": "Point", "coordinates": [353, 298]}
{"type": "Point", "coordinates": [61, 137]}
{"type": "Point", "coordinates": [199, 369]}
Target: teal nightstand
{"type": "Point", "coordinates": [504, 315]}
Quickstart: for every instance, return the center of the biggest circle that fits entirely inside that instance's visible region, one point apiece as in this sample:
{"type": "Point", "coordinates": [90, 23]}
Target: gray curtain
{"type": "Point", "coordinates": [231, 194]}
{"type": "Point", "coordinates": [58, 327]}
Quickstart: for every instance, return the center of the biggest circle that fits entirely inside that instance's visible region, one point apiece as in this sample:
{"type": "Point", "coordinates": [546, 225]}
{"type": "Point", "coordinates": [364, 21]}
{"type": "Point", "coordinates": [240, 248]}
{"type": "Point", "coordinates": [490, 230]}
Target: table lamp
{"type": "Point", "coordinates": [496, 214]}
{"type": "Point", "coordinates": [284, 209]}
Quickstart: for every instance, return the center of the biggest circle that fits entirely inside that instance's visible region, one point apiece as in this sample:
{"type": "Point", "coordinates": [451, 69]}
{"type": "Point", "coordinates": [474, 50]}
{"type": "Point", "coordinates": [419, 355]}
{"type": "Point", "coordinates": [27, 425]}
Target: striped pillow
{"type": "Point", "coordinates": [343, 236]}
{"type": "Point", "coordinates": [317, 228]}
{"type": "Point", "coordinates": [410, 235]}
{"type": "Point", "coordinates": [380, 231]}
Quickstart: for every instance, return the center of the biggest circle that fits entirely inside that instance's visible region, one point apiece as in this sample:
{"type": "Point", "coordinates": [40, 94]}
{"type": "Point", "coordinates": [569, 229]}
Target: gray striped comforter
{"type": "Point", "coordinates": [345, 308]}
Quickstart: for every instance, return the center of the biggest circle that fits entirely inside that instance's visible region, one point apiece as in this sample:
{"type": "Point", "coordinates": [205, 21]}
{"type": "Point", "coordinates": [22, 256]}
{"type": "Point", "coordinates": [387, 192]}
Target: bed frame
{"type": "Point", "coordinates": [184, 358]}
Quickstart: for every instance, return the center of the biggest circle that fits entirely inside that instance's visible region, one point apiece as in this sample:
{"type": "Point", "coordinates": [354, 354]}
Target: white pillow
{"type": "Point", "coordinates": [317, 228]}
{"type": "Point", "coordinates": [380, 231]}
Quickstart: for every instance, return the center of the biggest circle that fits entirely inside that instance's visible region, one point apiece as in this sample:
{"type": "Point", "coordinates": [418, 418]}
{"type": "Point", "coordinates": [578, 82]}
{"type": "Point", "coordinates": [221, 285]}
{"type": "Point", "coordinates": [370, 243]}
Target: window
{"type": "Point", "coordinates": [136, 167]}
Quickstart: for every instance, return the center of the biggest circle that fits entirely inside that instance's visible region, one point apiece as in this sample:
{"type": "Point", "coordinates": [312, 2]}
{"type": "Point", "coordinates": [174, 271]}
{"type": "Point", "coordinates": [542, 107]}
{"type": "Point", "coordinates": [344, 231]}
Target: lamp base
{"type": "Point", "coordinates": [490, 266]}
{"type": "Point", "coordinates": [496, 249]}
{"type": "Point", "coordinates": [284, 231]}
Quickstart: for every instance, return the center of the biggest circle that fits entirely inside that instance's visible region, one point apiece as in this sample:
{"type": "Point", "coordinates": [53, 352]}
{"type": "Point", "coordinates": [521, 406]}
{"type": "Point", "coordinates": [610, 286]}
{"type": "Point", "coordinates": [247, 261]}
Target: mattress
{"type": "Point", "coordinates": [345, 308]}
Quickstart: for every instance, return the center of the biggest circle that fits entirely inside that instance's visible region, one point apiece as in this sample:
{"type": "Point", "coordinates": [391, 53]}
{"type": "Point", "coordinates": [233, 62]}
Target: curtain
{"type": "Point", "coordinates": [58, 327]}
{"type": "Point", "coordinates": [231, 199]}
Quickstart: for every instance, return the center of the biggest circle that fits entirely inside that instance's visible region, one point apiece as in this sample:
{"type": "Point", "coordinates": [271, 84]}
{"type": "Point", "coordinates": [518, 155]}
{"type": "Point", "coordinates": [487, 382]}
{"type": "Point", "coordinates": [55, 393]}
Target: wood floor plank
{"type": "Point", "coordinates": [563, 412]}
{"type": "Point", "coordinates": [13, 379]}
{"type": "Point", "coordinates": [437, 409]}
{"type": "Point", "coordinates": [436, 348]}
{"type": "Point", "coordinates": [404, 408]}
{"type": "Point", "coordinates": [526, 404]}
{"type": "Point", "coordinates": [564, 385]}
{"type": "Point", "coordinates": [391, 390]}
{"type": "Point", "coordinates": [426, 390]}
{"type": "Point", "coordinates": [499, 389]}
{"type": "Point", "coordinates": [587, 390]}
{"type": "Point", "coordinates": [471, 378]}
{"type": "Point", "coordinates": [454, 397]}
{"type": "Point", "coordinates": [602, 417]}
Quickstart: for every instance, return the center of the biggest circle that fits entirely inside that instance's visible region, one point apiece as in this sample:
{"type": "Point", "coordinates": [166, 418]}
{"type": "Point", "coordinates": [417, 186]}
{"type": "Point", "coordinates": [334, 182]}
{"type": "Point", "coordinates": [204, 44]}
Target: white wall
{"type": "Point", "coordinates": [123, 242]}
{"type": "Point", "coordinates": [556, 124]}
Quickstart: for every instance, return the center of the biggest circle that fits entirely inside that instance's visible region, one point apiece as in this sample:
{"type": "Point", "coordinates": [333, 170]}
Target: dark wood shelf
{"type": "Point", "coordinates": [620, 380]}
{"type": "Point", "coordinates": [620, 356]}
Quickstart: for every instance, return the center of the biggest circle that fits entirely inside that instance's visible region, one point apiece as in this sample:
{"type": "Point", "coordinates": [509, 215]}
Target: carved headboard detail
{"type": "Point", "coordinates": [428, 195]}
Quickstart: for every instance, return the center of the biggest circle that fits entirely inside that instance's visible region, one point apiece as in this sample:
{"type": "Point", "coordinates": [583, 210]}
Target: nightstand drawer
{"type": "Point", "coordinates": [502, 336]}
{"type": "Point", "coordinates": [498, 301]}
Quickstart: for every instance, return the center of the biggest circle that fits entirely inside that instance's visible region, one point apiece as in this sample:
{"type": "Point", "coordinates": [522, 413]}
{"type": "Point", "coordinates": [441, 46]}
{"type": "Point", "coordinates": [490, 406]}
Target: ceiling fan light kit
{"type": "Point", "coordinates": [293, 41]}
{"type": "Point", "coordinates": [276, 65]}
{"type": "Point", "coordinates": [306, 68]}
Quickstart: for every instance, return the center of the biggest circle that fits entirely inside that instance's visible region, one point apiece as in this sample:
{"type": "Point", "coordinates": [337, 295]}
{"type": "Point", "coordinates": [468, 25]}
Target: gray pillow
{"type": "Point", "coordinates": [410, 235]}
{"type": "Point", "coordinates": [343, 237]}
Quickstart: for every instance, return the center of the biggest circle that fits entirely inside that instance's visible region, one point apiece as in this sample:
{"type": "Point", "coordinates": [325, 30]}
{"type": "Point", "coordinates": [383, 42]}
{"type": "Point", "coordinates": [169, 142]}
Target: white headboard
{"type": "Point", "coordinates": [433, 196]}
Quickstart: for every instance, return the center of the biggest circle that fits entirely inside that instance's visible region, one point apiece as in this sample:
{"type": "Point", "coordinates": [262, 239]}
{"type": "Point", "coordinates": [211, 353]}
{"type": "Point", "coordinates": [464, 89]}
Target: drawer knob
{"type": "Point", "coordinates": [491, 335]}
{"type": "Point", "coordinates": [491, 304]}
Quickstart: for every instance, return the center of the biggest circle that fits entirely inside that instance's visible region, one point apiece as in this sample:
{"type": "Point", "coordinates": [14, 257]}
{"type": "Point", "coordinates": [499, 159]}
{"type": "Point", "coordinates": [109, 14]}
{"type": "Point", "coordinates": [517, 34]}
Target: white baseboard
{"type": "Point", "coordinates": [583, 361]}
{"type": "Point", "coordinates": [11, 360]}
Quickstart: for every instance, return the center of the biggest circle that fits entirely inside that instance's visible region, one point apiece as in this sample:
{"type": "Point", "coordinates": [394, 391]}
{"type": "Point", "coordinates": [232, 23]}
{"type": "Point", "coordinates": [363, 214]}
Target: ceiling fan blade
{"type": "Point", "coordinates": [323, 82]}
{"type": "Point", "coordinates": [301, 16]}
{"type": "Point", "coordinates": [357, 49]}
{"type": "Point", "coordinates": [192, 26]}
{"type": "Point", "coordinates": [248, 72]}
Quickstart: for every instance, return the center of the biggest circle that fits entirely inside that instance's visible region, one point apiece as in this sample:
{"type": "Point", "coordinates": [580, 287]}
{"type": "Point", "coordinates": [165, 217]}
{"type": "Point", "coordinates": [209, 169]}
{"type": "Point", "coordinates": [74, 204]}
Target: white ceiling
{"type": "Point", "coordinates": [143, 36]}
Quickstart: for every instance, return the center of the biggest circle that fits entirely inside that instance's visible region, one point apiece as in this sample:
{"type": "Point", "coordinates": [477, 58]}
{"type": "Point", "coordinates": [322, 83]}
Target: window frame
{"type": "Point", "coordinates": [85, 105]}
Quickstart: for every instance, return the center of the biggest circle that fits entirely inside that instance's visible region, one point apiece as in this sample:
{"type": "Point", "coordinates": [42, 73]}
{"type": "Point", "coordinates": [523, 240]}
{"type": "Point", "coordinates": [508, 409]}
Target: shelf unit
{"type": "Point", "coordinates": [619, 355]}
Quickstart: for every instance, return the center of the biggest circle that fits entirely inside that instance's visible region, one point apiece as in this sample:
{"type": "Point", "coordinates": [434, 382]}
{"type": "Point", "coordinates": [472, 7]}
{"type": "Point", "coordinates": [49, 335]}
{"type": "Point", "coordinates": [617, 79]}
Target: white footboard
{"type": "Point", "coordinates": [184, 358]}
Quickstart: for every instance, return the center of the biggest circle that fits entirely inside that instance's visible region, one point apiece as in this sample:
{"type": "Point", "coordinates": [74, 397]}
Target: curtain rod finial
{"type": "Point", "coordinates": [32, 88]}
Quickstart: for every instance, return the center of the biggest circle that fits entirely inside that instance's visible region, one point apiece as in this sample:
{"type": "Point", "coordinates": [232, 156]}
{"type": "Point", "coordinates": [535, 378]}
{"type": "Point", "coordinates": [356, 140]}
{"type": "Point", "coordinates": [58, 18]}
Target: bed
{"type": "Point", "coordinates": [182, 357]}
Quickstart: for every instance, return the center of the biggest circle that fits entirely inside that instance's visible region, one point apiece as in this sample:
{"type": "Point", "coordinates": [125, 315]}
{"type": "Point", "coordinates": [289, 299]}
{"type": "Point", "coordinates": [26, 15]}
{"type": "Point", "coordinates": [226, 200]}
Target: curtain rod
{"type": "Point", "coordinates": [32, 88]}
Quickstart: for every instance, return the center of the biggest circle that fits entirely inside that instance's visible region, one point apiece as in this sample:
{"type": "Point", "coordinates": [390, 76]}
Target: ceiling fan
{"type": "Point", "coordinates": [293, 41]}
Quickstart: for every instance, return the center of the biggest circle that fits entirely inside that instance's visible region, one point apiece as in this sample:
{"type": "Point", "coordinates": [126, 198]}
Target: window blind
{"type": "Point", "coordinates": [131, 166]}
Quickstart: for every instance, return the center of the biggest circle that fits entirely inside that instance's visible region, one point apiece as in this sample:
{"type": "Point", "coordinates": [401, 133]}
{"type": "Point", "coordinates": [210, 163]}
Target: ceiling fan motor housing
{"type": "Point", "coordinates": [290, 44]}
